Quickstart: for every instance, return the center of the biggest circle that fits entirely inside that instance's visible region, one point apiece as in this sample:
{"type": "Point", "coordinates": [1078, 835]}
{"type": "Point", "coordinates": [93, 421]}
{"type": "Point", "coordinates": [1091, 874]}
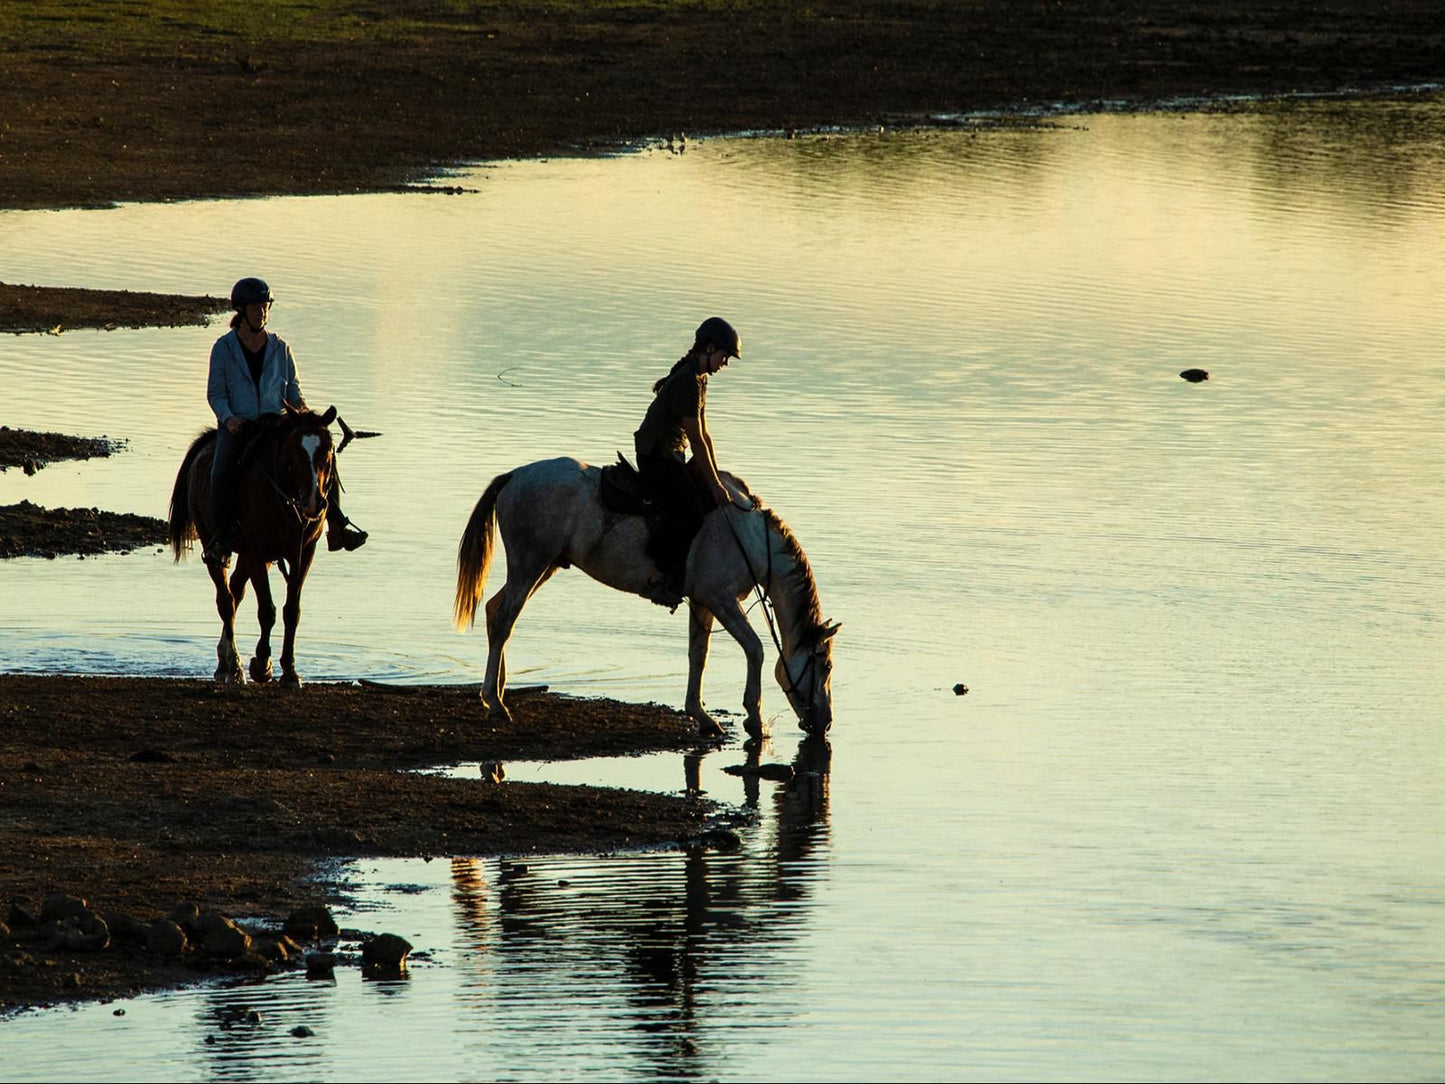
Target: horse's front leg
{"type": "Point", "coordinates": [228, 597]}
{"type": "Point", "coordinates": [735, 621]}
{"type": "Point", "coordinates": [291, 616]}
{"type": "Point", "coordinates": [266, 618]}
{"type": "Point", "coordinates": [699, 635]}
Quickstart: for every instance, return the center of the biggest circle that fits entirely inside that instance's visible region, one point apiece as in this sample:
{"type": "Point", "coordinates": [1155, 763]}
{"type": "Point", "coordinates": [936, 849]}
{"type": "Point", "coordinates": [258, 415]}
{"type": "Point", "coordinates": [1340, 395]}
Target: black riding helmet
{"type": "Point", "coordinates": [720, 333]}
{"type": "Point", "coordinates": [250, 292]}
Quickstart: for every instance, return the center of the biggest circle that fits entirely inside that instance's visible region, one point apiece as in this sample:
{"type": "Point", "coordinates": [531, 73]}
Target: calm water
{"type": "Point", "coordinates": [1187, 822]}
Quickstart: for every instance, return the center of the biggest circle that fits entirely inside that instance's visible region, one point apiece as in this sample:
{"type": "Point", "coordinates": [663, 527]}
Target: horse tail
{"type": "Point", "coordinates": [181, 525]}
{"type": "Point", "coordinates": [474, 555]}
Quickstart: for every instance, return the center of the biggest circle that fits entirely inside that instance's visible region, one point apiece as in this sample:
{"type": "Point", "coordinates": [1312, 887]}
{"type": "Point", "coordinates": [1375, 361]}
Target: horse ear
{"type": "Point", "coordinates": [329, 416]}
{"type": "Point", "coordinates": [827, 632]}
{"type": "Point", "coordinates": [287, 409]}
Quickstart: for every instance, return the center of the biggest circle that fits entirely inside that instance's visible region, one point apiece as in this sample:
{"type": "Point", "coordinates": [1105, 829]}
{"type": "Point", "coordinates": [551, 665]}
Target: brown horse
{"type": "Point", "coordinates": [281, 505]}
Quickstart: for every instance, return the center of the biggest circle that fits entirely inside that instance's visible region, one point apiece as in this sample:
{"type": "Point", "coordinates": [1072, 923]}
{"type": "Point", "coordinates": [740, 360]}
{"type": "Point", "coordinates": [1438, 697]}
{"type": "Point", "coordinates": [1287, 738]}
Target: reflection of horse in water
{"type": "Point", "coordinates": [551, 516]}
{"type": "Point", "coordinates": [662, 946]}
{"type": "Point", "coordinates": [281, 506]}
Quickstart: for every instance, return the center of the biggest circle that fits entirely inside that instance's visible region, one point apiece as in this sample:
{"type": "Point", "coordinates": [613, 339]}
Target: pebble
{"type": "Point", "coordinates": [320, 965]}
{"type": "Point", "coordinates": [311, 924]}
{"type": "Point", "coordinates": [386, 950]}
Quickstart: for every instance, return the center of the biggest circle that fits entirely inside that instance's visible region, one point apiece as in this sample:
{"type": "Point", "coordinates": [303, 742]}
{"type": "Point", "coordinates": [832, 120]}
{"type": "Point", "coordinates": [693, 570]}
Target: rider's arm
{"type": "Point", "coordinates": [292, 391]}
{"type": "Point", "coordinates": [702, 449]}
{"type": "Point", "coordinates": [217, 393]}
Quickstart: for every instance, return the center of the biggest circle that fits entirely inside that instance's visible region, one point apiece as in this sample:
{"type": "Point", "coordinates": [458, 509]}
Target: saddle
{"type": "Point", "coordinates": [624, 492]}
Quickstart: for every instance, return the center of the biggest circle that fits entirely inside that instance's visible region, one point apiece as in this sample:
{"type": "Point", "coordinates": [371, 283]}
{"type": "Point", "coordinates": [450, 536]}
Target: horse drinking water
{"type": "Point", "coordinates": [281, 507]}
{"type": "Point", "coordinates": [551, 515]}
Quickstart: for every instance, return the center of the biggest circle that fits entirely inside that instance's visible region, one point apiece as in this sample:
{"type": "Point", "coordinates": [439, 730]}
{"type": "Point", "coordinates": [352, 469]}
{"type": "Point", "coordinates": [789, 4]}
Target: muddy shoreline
{"type": "Point", "coordinates": [141, 794]}
{"type": "Point", "coordinates": [126, 106]}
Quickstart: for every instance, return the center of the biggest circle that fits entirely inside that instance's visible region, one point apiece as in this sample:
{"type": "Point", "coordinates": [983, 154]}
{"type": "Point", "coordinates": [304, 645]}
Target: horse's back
{"type": "Point", "coordinates": [551, 495]}
{"type": "Point", "coordinates": [551, 513]}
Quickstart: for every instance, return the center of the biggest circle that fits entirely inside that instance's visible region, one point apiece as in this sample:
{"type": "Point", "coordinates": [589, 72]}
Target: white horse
{"type": "Point", "coordinates": [551, 516]}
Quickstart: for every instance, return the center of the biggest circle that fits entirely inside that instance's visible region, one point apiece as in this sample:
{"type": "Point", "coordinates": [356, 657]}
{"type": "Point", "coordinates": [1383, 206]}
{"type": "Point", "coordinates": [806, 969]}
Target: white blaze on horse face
{"type": "Point", "coordinates": [313, 499]}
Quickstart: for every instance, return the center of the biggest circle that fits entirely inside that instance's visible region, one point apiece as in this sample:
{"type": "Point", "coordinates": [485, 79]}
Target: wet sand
{"type": "Point", "coordinates": [140, 794]}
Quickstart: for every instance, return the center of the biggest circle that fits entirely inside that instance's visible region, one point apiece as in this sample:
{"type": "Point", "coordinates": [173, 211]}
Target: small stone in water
{"type": "Point", "coordinates": [960, 689]}
{"type": "Point", "coordinates": [320, 965]}
{"type": "Point", "coordinates": [1194, 376]}
{"type": "Point", "coordinates": [301, 1031]}
{"type": "Point", "coordinates": [385, 951]}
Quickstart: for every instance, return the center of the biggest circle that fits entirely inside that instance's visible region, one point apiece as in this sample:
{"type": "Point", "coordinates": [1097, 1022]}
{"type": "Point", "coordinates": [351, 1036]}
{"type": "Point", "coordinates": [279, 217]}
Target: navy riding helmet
{"type": "Point", "coordinates": [250, 292]}
{"type": "Point", "coordinates": [720, 333]}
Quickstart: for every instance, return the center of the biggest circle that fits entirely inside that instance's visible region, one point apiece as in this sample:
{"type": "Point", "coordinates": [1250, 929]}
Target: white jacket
{"type": "Point", "coordinates": [231, 391]}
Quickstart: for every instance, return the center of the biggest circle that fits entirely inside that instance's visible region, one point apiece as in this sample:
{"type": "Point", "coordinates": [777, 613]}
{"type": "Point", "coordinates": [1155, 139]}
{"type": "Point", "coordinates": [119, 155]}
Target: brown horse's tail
{"type": "Point", "coordinates": [474, 555]}
{"type": "Point", "coordinates": [182, 525]}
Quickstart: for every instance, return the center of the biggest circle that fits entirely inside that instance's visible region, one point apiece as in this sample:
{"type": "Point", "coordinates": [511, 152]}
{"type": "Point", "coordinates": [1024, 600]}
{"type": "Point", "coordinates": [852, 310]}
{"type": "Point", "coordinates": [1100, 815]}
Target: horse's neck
{"type": "Point", "coordinates": [788, 585]}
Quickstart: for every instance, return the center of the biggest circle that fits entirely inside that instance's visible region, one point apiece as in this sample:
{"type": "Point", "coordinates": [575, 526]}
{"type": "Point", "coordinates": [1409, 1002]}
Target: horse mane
{"type": "Point", "coordinates": [801, 586]}
{"type": "Point", "coordinates": [269, 433]}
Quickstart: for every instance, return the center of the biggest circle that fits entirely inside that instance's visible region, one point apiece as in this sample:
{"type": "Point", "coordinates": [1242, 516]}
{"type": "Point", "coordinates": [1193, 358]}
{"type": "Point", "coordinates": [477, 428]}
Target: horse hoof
{"type": "Point", "coordinates": [229, 675]}
{"type": "Point", "coordinates": [291, 680]}
{"type": "Point", "coordinates": [260, 670]}
{"type": "Point", "coordinates": [499, 714]}
{"type": "Point", "coordinates": [755, 728]}
{"type": "Point", "coordinates": [709, 729]}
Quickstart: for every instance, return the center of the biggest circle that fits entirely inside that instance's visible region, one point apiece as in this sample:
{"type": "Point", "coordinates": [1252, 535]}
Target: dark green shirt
{"type": "Point", "coordinates": [682, 395]}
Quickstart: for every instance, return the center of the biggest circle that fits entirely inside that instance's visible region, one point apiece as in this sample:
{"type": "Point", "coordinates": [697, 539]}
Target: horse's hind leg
{"type": "Point", "coordinates": [228, 597]}
{"type": "Point", "coordinates": [261, 669]}
{"type": "Point", "coordinates": [503, 609]}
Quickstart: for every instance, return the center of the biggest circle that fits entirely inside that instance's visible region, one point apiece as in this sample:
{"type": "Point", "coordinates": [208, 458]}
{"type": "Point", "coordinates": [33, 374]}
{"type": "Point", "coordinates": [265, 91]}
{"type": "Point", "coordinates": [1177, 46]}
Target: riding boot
{"type": "Point", "coordinates": [216, 550]}
{"type": "Point", "coordinates": [346, 537]}
{"type": "Point", "coordinates": [341, 534]}
{"type": "Point", "coordinates": [665, 589]}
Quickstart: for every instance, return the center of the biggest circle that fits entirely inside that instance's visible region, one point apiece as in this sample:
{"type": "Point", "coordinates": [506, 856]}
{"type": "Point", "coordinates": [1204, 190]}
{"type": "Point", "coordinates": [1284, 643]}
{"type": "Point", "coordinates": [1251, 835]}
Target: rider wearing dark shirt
{"type": "Point", "coordinates": [676, 420]}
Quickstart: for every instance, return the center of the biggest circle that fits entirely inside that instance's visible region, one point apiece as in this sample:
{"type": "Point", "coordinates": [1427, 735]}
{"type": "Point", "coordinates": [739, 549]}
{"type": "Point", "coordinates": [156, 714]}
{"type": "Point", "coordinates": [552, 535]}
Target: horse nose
{"type": "Point", "coordinates": [822, 720]}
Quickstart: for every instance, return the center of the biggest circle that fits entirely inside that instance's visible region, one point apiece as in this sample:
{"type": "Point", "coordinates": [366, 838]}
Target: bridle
{"type": "Point", "coordinates": [304, 521]}
{"type": "Point", "coordinates": [765, 603]}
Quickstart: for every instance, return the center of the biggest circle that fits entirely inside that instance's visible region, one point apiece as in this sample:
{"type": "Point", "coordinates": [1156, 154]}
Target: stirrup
{"type": "Point", "coordinates": [346, 537]}
{"type": "Point", "coordinates": [663, 593]}
{"type": "Point", "coordinates": [215, 552]}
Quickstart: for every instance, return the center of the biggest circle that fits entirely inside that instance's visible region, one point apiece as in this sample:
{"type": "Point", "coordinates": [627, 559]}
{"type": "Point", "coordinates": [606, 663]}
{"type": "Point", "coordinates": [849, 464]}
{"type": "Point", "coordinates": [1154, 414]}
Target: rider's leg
{"type": "Point", "coordinates": [670, 484]}
{"type": "Point", "coordinates": [341, 534]}
{"type": "Point", "coordinates": [217, 548]}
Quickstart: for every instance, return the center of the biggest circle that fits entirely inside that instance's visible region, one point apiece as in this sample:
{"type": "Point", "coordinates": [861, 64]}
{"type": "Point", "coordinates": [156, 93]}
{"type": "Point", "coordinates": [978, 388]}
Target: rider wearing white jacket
{"type": "Point", "coordinates": [253, 373]}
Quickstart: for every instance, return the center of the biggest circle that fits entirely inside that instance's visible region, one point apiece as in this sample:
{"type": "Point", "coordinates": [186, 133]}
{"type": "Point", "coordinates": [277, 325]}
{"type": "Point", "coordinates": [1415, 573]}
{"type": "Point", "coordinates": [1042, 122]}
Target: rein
{"type": "Point", "coordinates": [763, 600]}
{"type": "Point", "coordinates": [303, 521]}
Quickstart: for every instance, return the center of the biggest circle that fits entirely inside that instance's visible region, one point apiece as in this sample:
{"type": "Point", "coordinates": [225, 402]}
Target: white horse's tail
{"type": "Point", "coordinates": [474, 555]}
